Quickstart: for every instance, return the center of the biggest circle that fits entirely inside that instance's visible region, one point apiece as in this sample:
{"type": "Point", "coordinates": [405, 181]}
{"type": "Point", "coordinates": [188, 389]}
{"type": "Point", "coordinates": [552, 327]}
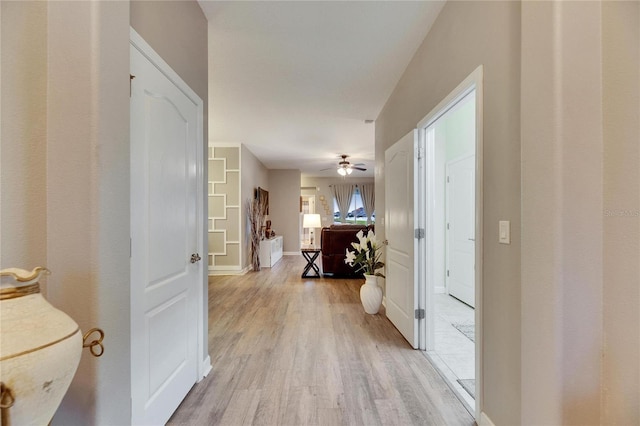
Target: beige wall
{"type": "Point", "coordinates": [464, 36]}
{"type": "Point", "coordinates": [254, 175]}
{"type": "Point", "coordinates": [284, 207]}
{"type": "Point", "coordinates": [65, 166]}
{"type": "Point", "coordinates": [23, 185]}
{"type": "Point", "coordinates": [88, 197]}
{"type": "Point", "coordinates": [581, 204]}
{"type": "Point", "coordinates": [577, 302]}
{"type": "Point", "coordinates": [621, 245]}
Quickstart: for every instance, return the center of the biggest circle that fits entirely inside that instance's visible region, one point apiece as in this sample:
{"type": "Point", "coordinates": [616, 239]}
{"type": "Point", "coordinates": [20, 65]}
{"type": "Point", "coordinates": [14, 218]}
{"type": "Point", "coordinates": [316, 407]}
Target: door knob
{"type": "Point", "coordinates": [195, 257]}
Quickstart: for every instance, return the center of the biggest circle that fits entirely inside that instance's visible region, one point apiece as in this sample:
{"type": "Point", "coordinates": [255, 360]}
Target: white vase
{"type": "Point", "coordinates": [371, 294]}
{"type": "Point", "coordinates": [40, 348]}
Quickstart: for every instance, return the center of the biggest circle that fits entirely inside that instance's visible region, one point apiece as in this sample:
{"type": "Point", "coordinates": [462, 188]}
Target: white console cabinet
{"type": "Point", "coordinates": [270, 251]}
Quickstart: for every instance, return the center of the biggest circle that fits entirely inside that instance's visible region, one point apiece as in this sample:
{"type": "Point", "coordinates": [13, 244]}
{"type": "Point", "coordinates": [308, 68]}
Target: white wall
{"type": "Point", "coordinates": [454, 135]}
{"type": "Point", "coordinates": [253, 175]}
{"type": "Point", "coordinates": [459, 128]}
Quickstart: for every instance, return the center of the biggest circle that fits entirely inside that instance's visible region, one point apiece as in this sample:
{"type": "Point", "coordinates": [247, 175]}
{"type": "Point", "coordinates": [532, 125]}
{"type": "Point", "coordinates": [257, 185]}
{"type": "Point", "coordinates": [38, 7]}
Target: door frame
{"type": "Point", "coordinates": [472, 82]}
{"type": "Point", "coordinates": [136, 41]}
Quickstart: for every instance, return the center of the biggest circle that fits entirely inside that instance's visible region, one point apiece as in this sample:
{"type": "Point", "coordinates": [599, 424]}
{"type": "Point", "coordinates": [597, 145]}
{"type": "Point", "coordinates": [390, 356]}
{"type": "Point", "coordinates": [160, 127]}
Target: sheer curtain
{"type": "Point", "coordinates": [368, 195]}
{"type": "Point", "coordinates": [343, 194]}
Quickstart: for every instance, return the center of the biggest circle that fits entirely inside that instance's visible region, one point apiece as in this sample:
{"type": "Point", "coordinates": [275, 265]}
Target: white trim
{"type": "Point", "coordinates": [473, 82]}
{"type": "Point", "coordinates": [205, 368]}
{"type": "Point", "coordinates": [225, 145]}
{"type": "Point", "coordinates": [221, 272]}
{"type": "Point", "coordinates": [419, 244]}
{"type": "Point", "coordinates": [463, 89]}
{"type": "Point", "coordinates": [478, 76]}
{"type": "Point", "coordinates": [224, 270]}
{"type": "Point", "coordinates": [485, 420]}
{"type": "Point", "coordinates": [450, 378]}
{"type": "Point", "coordinates": [147, 51]}
{"type": "Point", "coordinates": [291, 253]}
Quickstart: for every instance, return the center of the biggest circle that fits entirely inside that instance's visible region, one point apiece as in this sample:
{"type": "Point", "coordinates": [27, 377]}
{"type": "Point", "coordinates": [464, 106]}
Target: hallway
{"type": "Point", "coordinates": [288, 351]}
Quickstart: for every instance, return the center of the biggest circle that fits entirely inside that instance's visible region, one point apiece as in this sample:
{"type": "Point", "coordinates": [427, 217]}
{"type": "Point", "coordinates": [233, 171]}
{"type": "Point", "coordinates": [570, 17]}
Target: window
{"type": "Point", "coordinates": [356, 211]}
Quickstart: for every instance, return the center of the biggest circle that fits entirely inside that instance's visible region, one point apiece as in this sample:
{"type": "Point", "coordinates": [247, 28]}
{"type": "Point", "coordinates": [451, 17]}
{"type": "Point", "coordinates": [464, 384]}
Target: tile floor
{"type": "Point", "coordinates": [454, 353]}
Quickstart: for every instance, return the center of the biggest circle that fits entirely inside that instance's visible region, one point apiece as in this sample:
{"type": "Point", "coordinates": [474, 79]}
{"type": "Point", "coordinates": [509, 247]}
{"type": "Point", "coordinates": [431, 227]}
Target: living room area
{"type": "Point", "coordinates": [236, 176]}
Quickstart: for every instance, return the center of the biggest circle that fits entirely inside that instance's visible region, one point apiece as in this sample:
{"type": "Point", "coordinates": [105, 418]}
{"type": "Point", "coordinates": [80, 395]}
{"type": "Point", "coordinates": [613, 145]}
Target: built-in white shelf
{"type": "Point", "coordinates": [270, 251]}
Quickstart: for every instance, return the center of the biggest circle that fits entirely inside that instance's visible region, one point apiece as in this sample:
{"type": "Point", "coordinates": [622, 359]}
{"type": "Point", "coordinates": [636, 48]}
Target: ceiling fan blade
{"type": "Point", "coordinates": [359, 164]}
{"type": "Point", "coordinates": [328, 168]}
{"type": "Point", "coordinates": [359, 168]}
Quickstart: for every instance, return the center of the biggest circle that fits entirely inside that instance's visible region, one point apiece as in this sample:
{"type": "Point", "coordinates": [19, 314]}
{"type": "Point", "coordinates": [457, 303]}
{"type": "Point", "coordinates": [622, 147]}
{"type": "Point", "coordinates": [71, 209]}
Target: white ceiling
{"type": "Point", "coordinates": [295, 81]}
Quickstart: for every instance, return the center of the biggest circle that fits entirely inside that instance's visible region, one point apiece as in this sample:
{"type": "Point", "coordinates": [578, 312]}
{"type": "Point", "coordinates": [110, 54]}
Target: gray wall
{"type": "Point", "coordinates": [253, 175]}
{"type": "Point", "coordinates": [284, 207]}
{"type": "Point", "coordinates": [464, 36]}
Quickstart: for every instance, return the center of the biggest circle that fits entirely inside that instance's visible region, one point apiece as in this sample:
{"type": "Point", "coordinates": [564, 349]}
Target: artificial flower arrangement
{"type": "Point", "coordinates": [366, 256]}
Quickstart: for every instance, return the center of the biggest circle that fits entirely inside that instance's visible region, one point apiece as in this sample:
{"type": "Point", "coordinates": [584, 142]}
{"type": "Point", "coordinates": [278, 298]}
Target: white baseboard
{"type": "Point", "coordinates": [291, 253]}
{"type": "Point", "coordinates": [206, 367]}
{"type": "Point", "coordinates": [217, 272]}
{"type": "Point", "coordinates": [485, 420]}
{"type": "Point", "coordinates": [439, 289]}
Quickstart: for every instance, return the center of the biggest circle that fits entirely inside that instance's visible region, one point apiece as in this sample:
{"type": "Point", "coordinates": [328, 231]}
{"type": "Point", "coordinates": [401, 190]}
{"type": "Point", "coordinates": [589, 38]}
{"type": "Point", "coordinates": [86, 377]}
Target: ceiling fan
{"type": "Point", "coordinates": [346, 168]}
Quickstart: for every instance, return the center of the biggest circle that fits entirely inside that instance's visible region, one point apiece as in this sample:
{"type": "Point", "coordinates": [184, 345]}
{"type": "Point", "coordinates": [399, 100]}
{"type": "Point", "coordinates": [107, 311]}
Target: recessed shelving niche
{"type": "Point", "coordinates": [224, 209]}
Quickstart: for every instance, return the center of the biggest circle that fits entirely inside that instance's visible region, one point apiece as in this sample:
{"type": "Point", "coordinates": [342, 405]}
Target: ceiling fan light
{"type": "Point", "coordinates": [349, 170]}
{"type": "Point", "coordinates": [341, 171]}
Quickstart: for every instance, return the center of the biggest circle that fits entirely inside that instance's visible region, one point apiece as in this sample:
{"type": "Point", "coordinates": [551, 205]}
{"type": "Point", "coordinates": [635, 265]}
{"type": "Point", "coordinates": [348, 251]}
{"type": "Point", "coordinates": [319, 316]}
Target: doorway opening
{"type": "Point", "coordinates": [452, 138]}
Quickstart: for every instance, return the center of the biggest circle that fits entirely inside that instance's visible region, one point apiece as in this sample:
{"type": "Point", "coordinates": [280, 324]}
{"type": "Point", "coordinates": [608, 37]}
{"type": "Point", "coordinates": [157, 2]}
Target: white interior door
{"type": "Point", "coordinates": [164, 281]}
{"type": "Point", "coordinates": [401, 284]}
{"type": "Point", "coordinates": [461, 229]}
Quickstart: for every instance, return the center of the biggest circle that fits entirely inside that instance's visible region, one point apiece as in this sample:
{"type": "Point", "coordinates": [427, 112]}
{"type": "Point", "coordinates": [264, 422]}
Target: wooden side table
{"type": "Point", "coordinates": [310, 255]}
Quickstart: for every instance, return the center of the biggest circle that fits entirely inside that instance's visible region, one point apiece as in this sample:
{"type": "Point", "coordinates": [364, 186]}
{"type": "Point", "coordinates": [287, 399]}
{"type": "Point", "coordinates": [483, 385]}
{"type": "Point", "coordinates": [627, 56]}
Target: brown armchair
{"type": "Point", "coordinates": [334, 241]}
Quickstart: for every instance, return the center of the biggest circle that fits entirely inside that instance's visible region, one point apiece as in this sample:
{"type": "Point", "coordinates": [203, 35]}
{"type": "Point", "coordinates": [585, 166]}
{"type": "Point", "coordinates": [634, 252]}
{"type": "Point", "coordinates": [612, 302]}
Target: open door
{"type": "Point", "coordinates": [165, 264]}
{"type": "Point", "coordinates": [403, 271]}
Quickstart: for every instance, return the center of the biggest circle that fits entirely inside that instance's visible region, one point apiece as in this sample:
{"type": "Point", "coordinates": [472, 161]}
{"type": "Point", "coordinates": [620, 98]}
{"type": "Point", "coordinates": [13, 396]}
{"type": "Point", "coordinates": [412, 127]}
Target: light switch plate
{"type": "Point", "coordinates": [504, 232]}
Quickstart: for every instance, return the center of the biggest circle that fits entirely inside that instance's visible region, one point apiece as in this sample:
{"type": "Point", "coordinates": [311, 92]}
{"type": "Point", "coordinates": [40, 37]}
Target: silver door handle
{"type": "Point", "coordinates": [195, 257]}
{"type": "Point", "coordinates": [472, 239]}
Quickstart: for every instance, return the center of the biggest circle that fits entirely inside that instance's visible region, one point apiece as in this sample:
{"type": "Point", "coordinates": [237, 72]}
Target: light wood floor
{"type": "Point", "coordinates": [293, 351]}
